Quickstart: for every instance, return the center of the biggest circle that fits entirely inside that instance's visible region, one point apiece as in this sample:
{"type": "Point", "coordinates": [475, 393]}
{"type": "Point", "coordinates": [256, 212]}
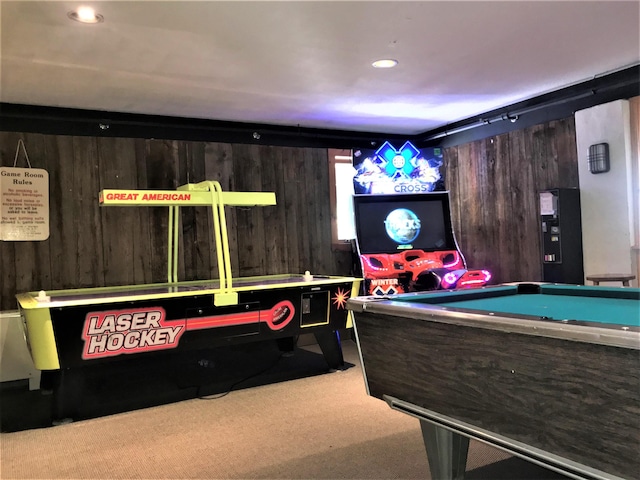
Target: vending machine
{"type": "Point", "coordinates": [561, 236]}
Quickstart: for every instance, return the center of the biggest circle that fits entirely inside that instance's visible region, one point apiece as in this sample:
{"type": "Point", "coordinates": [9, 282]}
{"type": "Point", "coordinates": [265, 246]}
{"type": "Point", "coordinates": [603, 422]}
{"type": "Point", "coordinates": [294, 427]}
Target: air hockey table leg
{"type": "Point", "coordinates": [329, 342]}
{"type": "Point", "coordinates": [65, 391]}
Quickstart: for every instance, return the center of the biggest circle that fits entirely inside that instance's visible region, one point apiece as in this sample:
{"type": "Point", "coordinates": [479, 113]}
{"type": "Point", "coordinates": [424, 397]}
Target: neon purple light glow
{"type": "Point", "coordinates": [372, 266]}
{"type": "Point", "coordinates": [486, 276]}
{"type": "Point", "coordinates": [454, 263]}
{"type": "Point", "coordinates": [449, 279]}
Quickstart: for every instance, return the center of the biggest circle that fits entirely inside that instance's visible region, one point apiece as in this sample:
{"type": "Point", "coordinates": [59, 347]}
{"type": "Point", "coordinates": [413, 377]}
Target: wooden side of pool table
{"type": "Point", "coordinates": [579, 401]}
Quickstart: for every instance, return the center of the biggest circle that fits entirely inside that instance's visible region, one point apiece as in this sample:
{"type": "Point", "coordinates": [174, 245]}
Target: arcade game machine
{"type": "Point", "coordinates": [94, 337]}
{"type": "Point", "coordinates": [405, 238]}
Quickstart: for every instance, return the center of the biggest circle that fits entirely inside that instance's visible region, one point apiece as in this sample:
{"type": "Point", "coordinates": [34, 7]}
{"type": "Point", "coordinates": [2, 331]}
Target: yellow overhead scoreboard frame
{"type": "Point", "coordinates": [209, 194]}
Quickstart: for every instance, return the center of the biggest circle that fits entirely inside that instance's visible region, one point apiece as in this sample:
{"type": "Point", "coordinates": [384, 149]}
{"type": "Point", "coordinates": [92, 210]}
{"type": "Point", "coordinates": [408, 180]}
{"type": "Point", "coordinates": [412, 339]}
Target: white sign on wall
{"type": "Point", "coordinates": [24, 204]}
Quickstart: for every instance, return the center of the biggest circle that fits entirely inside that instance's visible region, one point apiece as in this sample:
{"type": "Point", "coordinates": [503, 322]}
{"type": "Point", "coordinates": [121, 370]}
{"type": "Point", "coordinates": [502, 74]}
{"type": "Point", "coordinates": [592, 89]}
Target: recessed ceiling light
{"type": "Point", "coordinates": [85, 15]}
{"type": "Point", "coordinates": [385, 63]}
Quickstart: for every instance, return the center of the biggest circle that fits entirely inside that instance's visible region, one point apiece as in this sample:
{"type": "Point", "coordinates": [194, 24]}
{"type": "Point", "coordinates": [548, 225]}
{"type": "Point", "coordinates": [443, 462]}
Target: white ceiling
{"type": "Point", "coordinates": [308, 63]}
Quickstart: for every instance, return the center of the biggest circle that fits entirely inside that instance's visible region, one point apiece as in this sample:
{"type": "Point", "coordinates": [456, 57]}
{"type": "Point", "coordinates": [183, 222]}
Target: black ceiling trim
{"type": "Point", "coordinates": [559, 104]}
{"type": "Point", "coordinates": [70, 121]}
{"type": "Point", "coordinates": [551, 106]}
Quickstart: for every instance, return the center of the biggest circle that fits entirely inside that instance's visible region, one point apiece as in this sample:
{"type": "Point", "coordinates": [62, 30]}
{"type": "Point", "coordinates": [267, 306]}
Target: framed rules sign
{"type": "Point", "coordinates": [24, 204]}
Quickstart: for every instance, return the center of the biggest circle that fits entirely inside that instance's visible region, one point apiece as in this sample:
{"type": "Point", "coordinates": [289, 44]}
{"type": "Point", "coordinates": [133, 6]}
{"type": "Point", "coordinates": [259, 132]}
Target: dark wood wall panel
{"type": "Point", "coordinates": [117, 169]}
{"type": "Point", "coordinates": [523, 230]}
{"type": "Point", "coordinates": [161, 172]}
{"type": "Point", "coordinates": [302, 189]}
{"type": "Point", "coordinates": [218, 165]}
{"type": "Point", "coordinates": [63, 228]}
{"type": "Point", "coordinates": [494, 185]}
{"type": "Point", "coordinates": [251, 231]}
{"type": "Point", "coordinates": [321, 214]}
{"type": "Point", "coordinates": [499, 188]}
{"type": "Point", "coordinates": [292, 188]}
{"type": "Point", "coordinates": [195, 256]}
{"type": "Point", "coordinates": [93, 246]}
{"type": "Point", "coordinates": [493, 182]}
{"type": "Point", "coordinates": [274, 218]}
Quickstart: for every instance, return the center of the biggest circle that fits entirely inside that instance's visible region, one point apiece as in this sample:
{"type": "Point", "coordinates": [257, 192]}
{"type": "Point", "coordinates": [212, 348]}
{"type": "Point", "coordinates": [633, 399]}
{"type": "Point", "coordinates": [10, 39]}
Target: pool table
{"type": "Point", "coordinates": [547, 372]}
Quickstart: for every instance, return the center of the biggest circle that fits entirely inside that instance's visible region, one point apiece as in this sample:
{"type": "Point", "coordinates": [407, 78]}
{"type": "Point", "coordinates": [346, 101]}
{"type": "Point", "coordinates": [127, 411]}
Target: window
{"type": "Point", "coordinates": [341, 173]}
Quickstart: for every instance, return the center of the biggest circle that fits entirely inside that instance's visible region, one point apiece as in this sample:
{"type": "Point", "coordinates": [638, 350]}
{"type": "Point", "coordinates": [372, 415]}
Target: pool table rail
{"type": "Point", "coordinates": [624, 335]}
{"type": "Point", "coordinates": [598, 333]}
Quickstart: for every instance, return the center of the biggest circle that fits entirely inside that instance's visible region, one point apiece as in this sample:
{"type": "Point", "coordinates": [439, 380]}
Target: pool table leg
{"type": "Point", "coordinates": [446, 452]}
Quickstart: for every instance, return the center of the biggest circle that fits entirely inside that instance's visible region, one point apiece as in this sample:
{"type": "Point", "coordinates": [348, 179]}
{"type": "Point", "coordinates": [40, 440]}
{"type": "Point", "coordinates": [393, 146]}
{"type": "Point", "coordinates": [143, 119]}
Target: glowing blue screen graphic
{"type": "Point", "coordinates": [402, 225]}
{"type": "Point", "coordinates": [389, 170]}
{"type": "Point", "coordinates": [398, 159]}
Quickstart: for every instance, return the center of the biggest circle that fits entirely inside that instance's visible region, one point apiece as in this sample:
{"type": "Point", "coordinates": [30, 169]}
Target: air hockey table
{"type": "Point", "coordinates": [71, 333]}
{"type": "Point", "coordinates": [72, 328]}
{"type": "Point", "coordinates": [549, 373]}
{"type": "Point", "coordinates": [113, 349]}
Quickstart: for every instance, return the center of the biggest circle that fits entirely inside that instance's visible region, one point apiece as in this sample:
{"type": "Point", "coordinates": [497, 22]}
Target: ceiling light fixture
{"type": "Point", "coordinates": [85, 15]}
{"type": "Point", "coordinates": [385, 63]}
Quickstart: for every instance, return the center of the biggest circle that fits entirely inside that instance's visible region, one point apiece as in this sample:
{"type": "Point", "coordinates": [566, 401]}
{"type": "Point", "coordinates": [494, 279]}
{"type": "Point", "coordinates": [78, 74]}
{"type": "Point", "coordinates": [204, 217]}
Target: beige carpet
{"type": "Point", "coordinates": [311, 428]}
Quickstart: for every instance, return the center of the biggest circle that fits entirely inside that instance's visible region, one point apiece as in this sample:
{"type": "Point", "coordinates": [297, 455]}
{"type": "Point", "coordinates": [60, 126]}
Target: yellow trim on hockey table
{"type": "Point", "coordinates": [152, 291]}
{"type": "Point", "coordinates": [41, 339]}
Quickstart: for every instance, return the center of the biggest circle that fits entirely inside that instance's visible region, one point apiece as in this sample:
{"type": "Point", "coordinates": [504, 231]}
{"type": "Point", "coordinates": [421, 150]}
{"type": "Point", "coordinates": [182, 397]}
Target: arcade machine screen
{"type": "Point", "coordinates": [393, 223]}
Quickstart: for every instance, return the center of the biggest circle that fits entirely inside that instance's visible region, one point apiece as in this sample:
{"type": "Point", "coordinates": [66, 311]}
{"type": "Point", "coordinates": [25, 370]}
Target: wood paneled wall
{"type": "Point", "coordinates": [494, 185]}
{"type": "Point", "coordinates": [100, 246]}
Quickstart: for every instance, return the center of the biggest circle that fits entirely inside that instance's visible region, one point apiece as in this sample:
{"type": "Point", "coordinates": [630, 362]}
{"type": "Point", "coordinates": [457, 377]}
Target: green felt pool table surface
{"type": "Point", "coordinates": [606, 305]}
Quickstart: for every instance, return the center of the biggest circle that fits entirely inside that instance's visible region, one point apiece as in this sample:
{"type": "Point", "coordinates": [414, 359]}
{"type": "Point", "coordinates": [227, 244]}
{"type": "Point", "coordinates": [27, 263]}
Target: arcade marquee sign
{"type": "Point", "coordinates": [390, 170]}
{"type": "Point", "coordinates": [135, 197]}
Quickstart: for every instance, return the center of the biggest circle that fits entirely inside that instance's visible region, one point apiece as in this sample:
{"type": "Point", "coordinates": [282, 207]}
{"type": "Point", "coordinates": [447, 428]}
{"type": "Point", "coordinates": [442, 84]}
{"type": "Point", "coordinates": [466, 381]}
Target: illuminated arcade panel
{"type": "Point", "coordinates": [406, 243]}
{"type": "Point", "coordinates": [391, 223]}
{"type": "Point", "coordinates": [390, 170]}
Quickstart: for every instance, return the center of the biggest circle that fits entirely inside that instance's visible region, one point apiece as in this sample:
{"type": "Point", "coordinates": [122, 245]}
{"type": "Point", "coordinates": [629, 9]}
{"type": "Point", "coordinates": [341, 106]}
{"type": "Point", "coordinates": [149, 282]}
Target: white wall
{"type": "Point", "coordinates": [15, 360]}
{"type": "Point", "coordinates": [606, 198]}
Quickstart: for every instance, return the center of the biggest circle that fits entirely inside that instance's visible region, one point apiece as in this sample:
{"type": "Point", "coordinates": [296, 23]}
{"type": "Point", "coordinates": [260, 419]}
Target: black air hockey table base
{"type": "Point", "coordinates": [119, 348]}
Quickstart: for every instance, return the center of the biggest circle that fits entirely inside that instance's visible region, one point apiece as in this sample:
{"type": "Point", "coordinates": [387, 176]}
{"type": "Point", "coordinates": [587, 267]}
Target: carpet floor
{"type": "Point", "coordinates": [322, 426]}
